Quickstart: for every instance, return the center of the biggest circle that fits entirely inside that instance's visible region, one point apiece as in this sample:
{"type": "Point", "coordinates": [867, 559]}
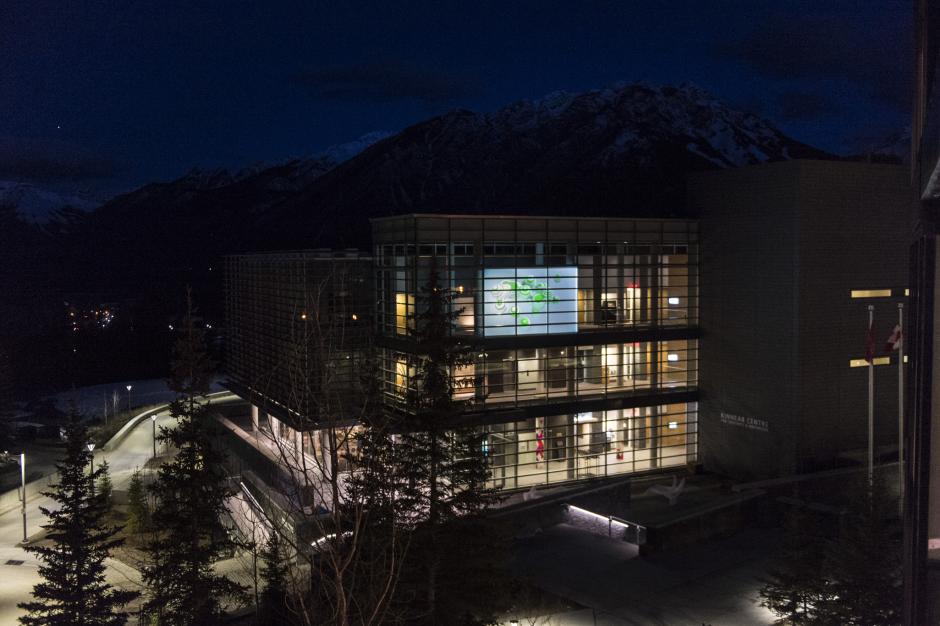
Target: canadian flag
{"type": "Point", "coordinates": [894, 341]}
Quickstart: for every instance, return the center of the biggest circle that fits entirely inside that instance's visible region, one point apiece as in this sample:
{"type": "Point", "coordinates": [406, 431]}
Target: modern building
{"type": "Point", "coordinates": [298, 325]}
{"type": "Point", "coordinates": [922, 467]}
{"type": "Point", "coordinates": [793, 253]}
{"type": "Point", "coordinates": [585, 332]}
{"type": "Point", "coordinates": [603, 346]}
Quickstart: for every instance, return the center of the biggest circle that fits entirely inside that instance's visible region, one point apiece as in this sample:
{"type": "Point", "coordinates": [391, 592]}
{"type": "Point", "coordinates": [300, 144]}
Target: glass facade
{"type": "Point", "coordinates": [560, 312]}
{"type": "Point", "coordinates": [591, 444]}
{"type": "Point", "coordinates": [538, 288]}
{"type": "Point", "coordinates": [515, 377]}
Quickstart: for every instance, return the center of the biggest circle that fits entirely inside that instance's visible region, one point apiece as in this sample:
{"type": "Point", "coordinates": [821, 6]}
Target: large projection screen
{"type": "Point", "coordinates": [530, 301]}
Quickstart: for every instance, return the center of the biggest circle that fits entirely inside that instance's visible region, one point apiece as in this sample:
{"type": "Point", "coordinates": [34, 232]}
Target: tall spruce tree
{"type": "Point", "coordinates": [104, 488]}
{"type": "Point", "coordinates": [190, 493]}
{"type": "Point", "coordinates": [274, 597]}
{"type": "Point", "coordinates": [796, 585]}
{"type": "Point", "coordinates": [138, 510]}
{"type": "Point", "coordinates": [850, 576]}
{"type": "Point", "coordinates": [73, 591]}
{"type": "Point", "coordinates": [863, 562]}
{"type": "Point", "coordinates": [372, 510]}
{"type": "Point", "coordinates": [446, 470]}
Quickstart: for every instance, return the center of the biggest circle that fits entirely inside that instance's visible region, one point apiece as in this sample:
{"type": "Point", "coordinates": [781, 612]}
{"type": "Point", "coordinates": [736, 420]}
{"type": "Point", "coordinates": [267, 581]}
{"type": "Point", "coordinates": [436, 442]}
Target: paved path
{"type": "Point", "coordinates": [18, 579]}
{"type": "Point", "coordinates": [715, 582]}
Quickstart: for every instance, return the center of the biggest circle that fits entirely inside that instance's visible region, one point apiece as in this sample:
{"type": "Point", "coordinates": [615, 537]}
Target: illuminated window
{"type": "Point", "coordinates": [673, 300]}
{"type": "Point", "coordinates": [672, 357]}
{"type": "Point", "coordinates": [881, 360]}
{"type": "Point", "coordinates": [871, 293]}
{"type": "Point", "coordinates": [404, 312]}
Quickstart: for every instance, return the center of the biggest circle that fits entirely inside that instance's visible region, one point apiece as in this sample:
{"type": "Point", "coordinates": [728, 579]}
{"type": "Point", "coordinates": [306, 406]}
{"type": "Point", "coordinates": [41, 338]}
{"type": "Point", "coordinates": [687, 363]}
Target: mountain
{"type": "Point", "coordinates": [623, 150]}
{"type": "Point", "coordinates": [38, 204]}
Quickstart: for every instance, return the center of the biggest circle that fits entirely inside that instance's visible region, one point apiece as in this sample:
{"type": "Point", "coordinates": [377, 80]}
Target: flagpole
{"type": "Point", "coordinates": [901, 409]}
{"type": "Point", "coordinates": [871, 401]}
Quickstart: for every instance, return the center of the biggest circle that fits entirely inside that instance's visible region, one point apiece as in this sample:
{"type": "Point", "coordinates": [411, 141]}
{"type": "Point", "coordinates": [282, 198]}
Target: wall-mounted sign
{"type": "Point", "coordinates": [751, 423]}
{"type": "Point", "coordinates": [530, 301]}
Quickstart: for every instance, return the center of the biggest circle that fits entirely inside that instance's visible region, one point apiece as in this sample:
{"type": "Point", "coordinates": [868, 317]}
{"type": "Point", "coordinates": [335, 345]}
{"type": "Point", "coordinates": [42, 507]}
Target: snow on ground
{"type": "Point", "coordinates": [91, 401]}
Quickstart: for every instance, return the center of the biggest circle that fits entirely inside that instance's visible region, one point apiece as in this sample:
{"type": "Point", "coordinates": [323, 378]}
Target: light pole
{"type": "Point", "coordinates": [23, 491]}
{"type": "Point", "coordinates": [153, 424]}
{"type": "Point", "coordinates": [129, 387]}
{"type": "Point", "coordinates": [91, 448]}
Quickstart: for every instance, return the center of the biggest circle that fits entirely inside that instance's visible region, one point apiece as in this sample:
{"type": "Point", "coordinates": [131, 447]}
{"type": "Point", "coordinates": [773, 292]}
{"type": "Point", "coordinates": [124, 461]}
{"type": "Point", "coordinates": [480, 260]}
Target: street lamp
{"type": "Point", "coordinates": [129, 387]}
{"type": "Point", "coordinates": [153, 424]}
{"type": "Point", "coordinates": [91, 448]}
{"type": "Point", "coordinates": [23, 491]}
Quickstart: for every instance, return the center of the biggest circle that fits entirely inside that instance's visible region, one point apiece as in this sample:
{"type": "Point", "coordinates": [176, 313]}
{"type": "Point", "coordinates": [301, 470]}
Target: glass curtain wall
{"type": "Point", "coordinates": [503, 378]}
{"type": "Point", "coordinates": [542, 287]}
{"type": "Point", "coordinates": [561, 448]}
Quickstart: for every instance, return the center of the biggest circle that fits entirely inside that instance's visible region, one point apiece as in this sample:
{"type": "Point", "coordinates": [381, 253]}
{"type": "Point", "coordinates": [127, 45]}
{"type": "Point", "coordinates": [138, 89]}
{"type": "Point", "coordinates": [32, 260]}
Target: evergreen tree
{"type": "Point", "coordinates": [274, 597]}
{"type": "Point", "coordinates": [445, 465]}
{"type": "Point", "coordinates": [863, 564]}
{"type": "Point", "coordinates": [796, 586]}
{"type": "Point", "coordinates": [372, 509]}
{"type": "Point", "coordinates": [104, 486]}
{"type": "Point", "coordinates": [74, 591]}
{"type": "Point", "coordinates": [190, 493]}
{"type": "Point", "coordinates": [138, 510]}
{"type": "Point", "coordinates": [851, 577]}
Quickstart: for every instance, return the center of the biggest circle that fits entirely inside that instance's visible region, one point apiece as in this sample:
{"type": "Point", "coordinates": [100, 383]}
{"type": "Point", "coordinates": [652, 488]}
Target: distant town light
{"type": "Point", "coordinates": [303, 316]}
{"type": "Point", "coordinates": [129, 387]}
{"type": "Point", "coordinates": [91, 446]}
{"type": "Point", "coordinates": [355, 317]}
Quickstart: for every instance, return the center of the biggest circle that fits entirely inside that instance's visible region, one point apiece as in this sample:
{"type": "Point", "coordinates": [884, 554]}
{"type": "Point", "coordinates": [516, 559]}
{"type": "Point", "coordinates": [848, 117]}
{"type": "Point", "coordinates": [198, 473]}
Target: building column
{"type": "Point", "coordinates": [254, 420]}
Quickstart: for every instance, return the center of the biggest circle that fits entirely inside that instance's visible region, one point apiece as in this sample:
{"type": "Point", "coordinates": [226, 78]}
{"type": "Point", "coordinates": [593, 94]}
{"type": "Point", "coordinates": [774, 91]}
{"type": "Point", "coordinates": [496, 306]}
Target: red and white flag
{"type": "Point", "coordinates": [870, 344]}
{"type": "Point", "coordinates": [894, 341]}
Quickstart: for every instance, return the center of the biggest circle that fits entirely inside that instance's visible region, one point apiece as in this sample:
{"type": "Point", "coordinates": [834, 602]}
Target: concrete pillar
{"type": "Point", "coordinates": [254, 420]}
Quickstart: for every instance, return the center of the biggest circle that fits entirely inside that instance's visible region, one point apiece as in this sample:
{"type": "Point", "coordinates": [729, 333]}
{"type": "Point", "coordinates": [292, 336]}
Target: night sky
{"type": "Point", "coordinates": [121, 92]}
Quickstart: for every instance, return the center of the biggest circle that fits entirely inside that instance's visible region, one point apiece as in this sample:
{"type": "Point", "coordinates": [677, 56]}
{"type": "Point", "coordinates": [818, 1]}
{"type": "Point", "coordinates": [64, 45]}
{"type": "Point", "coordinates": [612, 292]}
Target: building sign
{"type": "Point", "coordinates": [751, 423]}
{"type": "Point", "coordinates": [530, 301]}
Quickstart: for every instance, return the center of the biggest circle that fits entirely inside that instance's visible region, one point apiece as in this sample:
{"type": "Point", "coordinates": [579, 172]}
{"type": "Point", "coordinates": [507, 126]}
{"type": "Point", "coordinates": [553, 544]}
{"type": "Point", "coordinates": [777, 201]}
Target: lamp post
{"type": "Point", "coordinates": [23, 491]}
{"type": "Point", "coordinates": [153, 424]}
{"type": "Point", "coordinates": [91, 448]}
{"type": "Point", "coordinates": [129, 387]}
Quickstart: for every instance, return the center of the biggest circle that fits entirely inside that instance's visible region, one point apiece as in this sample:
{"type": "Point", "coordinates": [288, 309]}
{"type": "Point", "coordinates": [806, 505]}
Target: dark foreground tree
{"type": "Point", "coordinates": [274, 573]}
{"type": "Point", "coordinates": [189, 537]}
{"type": "Point", "coordinates": [863, 564]}
{"type": "Point", "coordinates": [105, 489]}
{"type": "Point", "coordinates": [850, 575]}
{"type": "Point", "coordinates": [796, 585]}
{"type": "Point", "coordinates": [138, 510]}
{"type": "Point", "coordinates": [444, 464]}
{"type": "Point", "coordinates": [73, 591]}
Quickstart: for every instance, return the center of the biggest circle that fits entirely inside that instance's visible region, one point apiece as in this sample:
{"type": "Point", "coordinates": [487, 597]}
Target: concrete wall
{"type": "Point", "coordinates": [853, 235]}
{"type": "Point", "coordinates": [783, 244]}
{"type": "Point", "coordinates": [748, 316]}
